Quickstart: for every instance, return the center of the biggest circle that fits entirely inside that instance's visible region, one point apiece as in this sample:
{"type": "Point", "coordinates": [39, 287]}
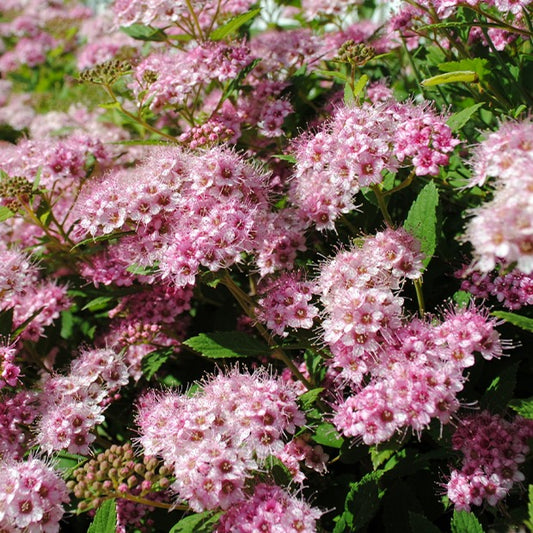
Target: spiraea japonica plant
{"type": "Point", "coordinates": [266, 266]}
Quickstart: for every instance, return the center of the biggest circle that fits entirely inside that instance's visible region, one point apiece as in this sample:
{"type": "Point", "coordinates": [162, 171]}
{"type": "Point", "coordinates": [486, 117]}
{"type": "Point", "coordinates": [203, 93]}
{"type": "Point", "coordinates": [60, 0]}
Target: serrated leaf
{"type": "Point", "coordinates": [421, 221]}
{"type": "Point", "coordinates": [98, 303]}
{"type": "Point", "coordinates": [420, 524]}
{"type": "Point", "coordinates": [153, 361]}
{"type": "Point", "coordinates": [524, 407]}
{"type": "Point", "coordinates": [5, 213]}
{"type": "Point", "coordinates": [516, 320]}
{"type": "Point", "coordinates": [462, 298]}
{"type": "Point", "coordinates": [459, 119]}
{"type": "Point", "coordinates": [349, 98]}
{"type": "Point", "coordinates": [144, 33]}
{"type": "Point", "coordinates": [233, 25]}
{"type": "Point", "coordinates": [105, 519]}
{"type": "Point", "coordinates": [326, 435]}
{"type": "Point", "coordinates": [466, 76]}
{"type": "Point", "coordinates": [224, 344]}
{"type": "Point", "coordinates": [501, 390]}
{"type": "Point", "coordinates": [381, 453]}
{"type": "Point", "coordinates": [363, 501]}
{"type": "Point", "coordinates": [197, 523]}
{"type": "Point", "coordinates": [465, 522]}
{"type": "Point", "coordinates": [530, 507]}
{"type": "Point", "coordinates": [307, 399]}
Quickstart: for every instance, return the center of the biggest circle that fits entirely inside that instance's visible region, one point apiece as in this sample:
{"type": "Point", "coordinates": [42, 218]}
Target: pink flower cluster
{"type": "Point", "coordinates": [285, 303]}
{"type": "Point", "coordinates": [270, 509]}
{"type": "Point", "coordinates": [501, 230]}
{"type": "Point", "coordinates": [493, 449]}
{"type": "Point", "coordinates": [215, 439]}
{"type": "Point", "coordinates": [297, 452]}
{"type": "Point", "coordinates": [72, 405]}
{"type": "Point", "coordinates": [9, 371]}
{"type": "Point", "coordinates": [17, 414]}
{"type": "Point", "coordinates": [355, 148]}
{"type": "Point", "coordinates": [361, 308]}
{"type": "Point", "coordinates": [173, 79]}
{"type": "Point", "coordinates": [186, 211]}
{"type": "Point", "coordinates": [32, 495]}
{"type": "Point", "coordinates": [513, 289]}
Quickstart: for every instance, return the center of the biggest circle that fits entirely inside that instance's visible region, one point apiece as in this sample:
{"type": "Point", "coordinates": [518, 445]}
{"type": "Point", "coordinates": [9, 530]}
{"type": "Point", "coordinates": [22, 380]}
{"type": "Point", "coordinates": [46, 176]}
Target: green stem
{"type": "Point", "coordinates": [382, 205]}
{"type": "Point", "coordinates": [405, 183]}
{"type": "Point", "coordinates": [420, 296]}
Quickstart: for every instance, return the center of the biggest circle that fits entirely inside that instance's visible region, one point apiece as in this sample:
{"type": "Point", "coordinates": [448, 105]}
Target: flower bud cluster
{"type": "Point", "coordinates": [118, 473]}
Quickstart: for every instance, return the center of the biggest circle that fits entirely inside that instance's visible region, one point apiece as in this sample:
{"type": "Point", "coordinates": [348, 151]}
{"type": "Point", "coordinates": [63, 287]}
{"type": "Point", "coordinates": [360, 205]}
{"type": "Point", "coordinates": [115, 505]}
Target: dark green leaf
{"type": "Point", "coordinates": [102, 238]}
{"type": "Point", "coordinates": [326, 435]}
{"type": "Point", "coordinates": [465, 522]}
{"type": "Point", "coordinates": [524, 407]}
{"type": "Point", "coordinates": [279, 471]}
{"type": "Point", "coordinates": [105, 519]}
{"type": "Point", "coordinates": [153, 361]}
{"type": "Point", "coordinates": [144, 33]}
{"type": "Point", "coordinates": [233, 25]}
{"type": "Point", "coordinates": [459, 119]}
{"type": "Point", "coordinates": [235, 84]}
{"type": "Point", "coordinates": [421, 220]}
{"type": "Point", "coordinates": [517, 320]}
{"type": "Point", "coordinates": [6, 322]}
{"type": "Point", "coordinates": [197, 523]}
{"type": "Point", "coordinates": [501, 390]}
{"type": "Point", "coordinates": [530, 508]}
{"type": "Point", "coordinates": [223, 344]}
{"type": "Point", "coordinates": [17, 331]}
{"type": "Point", "coordinates": [420, 524]}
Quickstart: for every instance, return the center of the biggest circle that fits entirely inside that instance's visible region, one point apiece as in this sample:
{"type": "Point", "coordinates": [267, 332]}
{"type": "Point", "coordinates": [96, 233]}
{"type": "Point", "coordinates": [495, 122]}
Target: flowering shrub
{"type": "Point", "coordinates": [266, 266]}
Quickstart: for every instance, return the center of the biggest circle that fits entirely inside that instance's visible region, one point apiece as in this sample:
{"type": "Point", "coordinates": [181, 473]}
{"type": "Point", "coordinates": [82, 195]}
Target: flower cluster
{"type": "Point", "coordinates": [493, 450]}
{"type": "Point", "coordinates": [356, 147]}
{"type": "Point", "coordinates": [285, 303]}
{"type": "Point", "coordinates": [270, 509]}
{"type": "Point", "coordinates": [32, 495]}
{"type": "Point", "coordinates": [513, 290]}
{"type": "Point", "coordinates": [500, 230]}
{"type": "Point", "coordinates": [72, 405]}
{"type": "Point", "coordinates": [215, 439]}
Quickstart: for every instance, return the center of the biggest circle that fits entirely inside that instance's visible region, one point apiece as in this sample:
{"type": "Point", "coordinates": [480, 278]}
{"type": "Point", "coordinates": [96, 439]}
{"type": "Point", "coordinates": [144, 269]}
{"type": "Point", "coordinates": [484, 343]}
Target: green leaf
{"type": "Point", "coordinates": [363, 501]}
{"type": "Point", "coordinates": [144, 33]}
{"type": "Point", "coordinates": [102, 238]}
{"type": "Point", "coordinates": [524, 407]}
{"type": "Point", "coordinates": [420, 524]}
{"type": "Point", "coordinates": [467, 76]}
{"type": "Point", "coordinates": [17, 331]}
{"type": "Point", "coordinates": [105, 519]}
{"type": "Point", "coordinates": [529, 523]}
{"type": "Point", "coordinates": [6, 322]}
{"type": "Point", "coordinates": [459, 119]}
{"type": "Point", "coordinates": [360, 85]}
{"type": "Point", "coordinates": [140, 270]}
{"type": "Point", "coordinates": [465, 522]}
{"type": "Point", "coordinates": [383, 452]}
{"type": "Point", "coordinates": [281, 474]}
{"type": "Point", "coordinates": [67, 324]}
{"type": "Point", "coordinates": [307, 399]}
{"type": "Point", "coordinates": [223, 344]}
{"type": "Point", "coordinates": [349, 98]}
{"type": "Point", "coordinates": [99, 303]}
{"type": "Point", "coordinates": [197, 523]}
{"type": "Point", "coordinates": [501, 390]}
{"type": "Point", "coordinates": [327, 435]}
{"type": "Point", "coordinates": [476, 64]}
{"type": "Point", "coordinates": [283, 157]}
{"type": "Point", "coordinates": [68, 461]}
{"type": "Point", "coordinates": [236, 82]}
{"type": "Point", "coordinates": [153, 361]}
{"type": "Point", "coordinates": [516, 320]}
{"type": "Point", "coordinates": [5, 213]}
{"type": "Point", "coordinates": [462, 298]}
{"type": "Point", "coordinates": [233, 25]}
{"type": "Point", "coordinates": [421, 221]}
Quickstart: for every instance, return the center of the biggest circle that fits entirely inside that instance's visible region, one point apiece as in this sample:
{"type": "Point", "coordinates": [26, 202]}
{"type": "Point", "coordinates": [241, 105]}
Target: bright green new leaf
{"type": "Point", "coordinates": [326, 435]}
{"type": "Point", "coordinates": [463, 76]}
{"type": "Point", "coordinates": [144, 33]}
{"type": "Point", "coordinates": [233, 25]}
{"type": "Point", "coordinates": [197, 523]}
{"type": "Point", "coordinates": [459, 119]}
{"type": "Point", "coordinates": [517, 320]}
{"type": "Point", "coordinates": [465, 522]}
{"type": "Point", "coordinates": [5, 213]}
{"type": "Point", "coordinates": [523, 407]}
